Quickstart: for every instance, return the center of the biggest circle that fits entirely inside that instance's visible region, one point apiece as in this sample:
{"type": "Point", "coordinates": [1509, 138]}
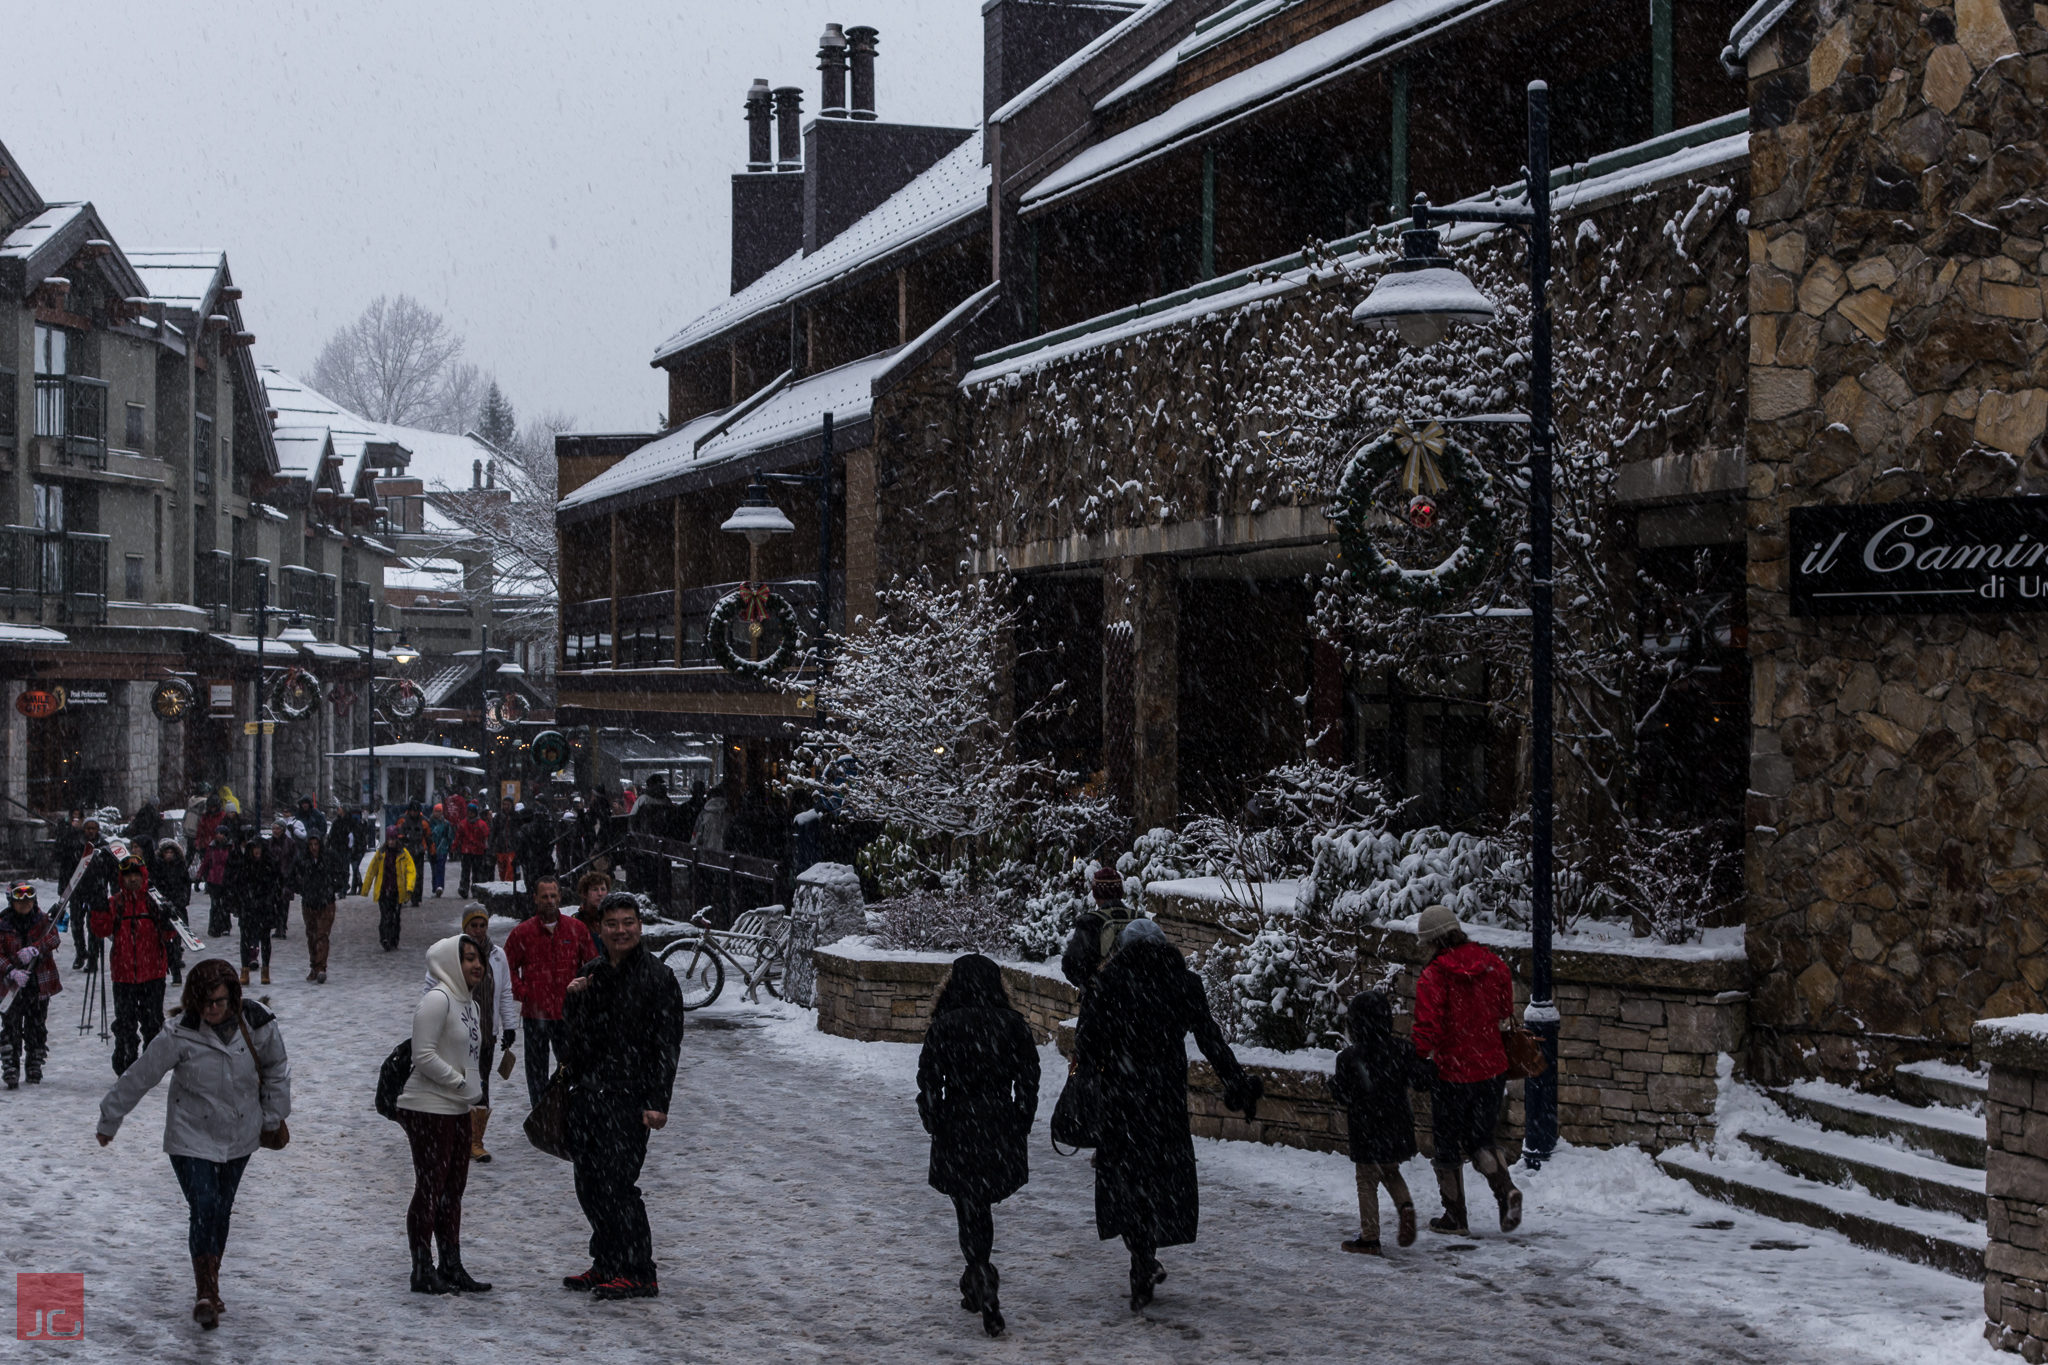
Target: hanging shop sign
{"type": "Point", "coordinates": [172, 699]}
{"type": "Point", "coordinates": [550, 750]}
{"type": "Point", "coordinates": [1910, 558]}
{"type": "Point", "coordinates": [40, 703]}
{"type": "Point", "coordinates": [77, 695]}
{"type": "Point", "coordinates": [220, 699]}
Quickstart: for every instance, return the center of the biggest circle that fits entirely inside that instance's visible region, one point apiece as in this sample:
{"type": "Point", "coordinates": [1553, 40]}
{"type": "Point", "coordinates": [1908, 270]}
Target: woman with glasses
{"type": "Point", "coordinates": [231, 1090]}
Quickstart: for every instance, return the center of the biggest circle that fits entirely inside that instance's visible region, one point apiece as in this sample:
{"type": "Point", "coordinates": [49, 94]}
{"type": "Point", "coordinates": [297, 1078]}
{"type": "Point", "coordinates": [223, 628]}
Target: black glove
{"type": "Point", "coordinates": [506, 1041]}
{"type": "Point", "coordinates": [1243, 1094]}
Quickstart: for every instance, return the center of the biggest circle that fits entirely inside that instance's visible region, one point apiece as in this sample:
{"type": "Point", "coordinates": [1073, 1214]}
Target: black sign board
{"type": "Point", "coordinates": [1914, 558]}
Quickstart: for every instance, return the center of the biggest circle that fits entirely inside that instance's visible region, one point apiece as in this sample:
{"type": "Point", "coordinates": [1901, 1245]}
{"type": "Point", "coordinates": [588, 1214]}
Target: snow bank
{"type": "Point", "coordinates": [1279, 896]}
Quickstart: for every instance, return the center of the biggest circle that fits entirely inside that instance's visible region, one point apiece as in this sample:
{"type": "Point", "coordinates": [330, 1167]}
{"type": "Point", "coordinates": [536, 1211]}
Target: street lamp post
{"type": "Point", "coordinates": [262, 690]}
{"type": "Point", "coordinates": [401, 654]}
{"type": "Point", "coordinates": [295, 633]}
{"type": "Point", "coordinates": [1419, 298]}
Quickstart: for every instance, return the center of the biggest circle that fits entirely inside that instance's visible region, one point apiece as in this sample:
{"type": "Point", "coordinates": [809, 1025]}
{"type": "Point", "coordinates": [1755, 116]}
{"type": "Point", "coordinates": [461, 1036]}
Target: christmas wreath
{"type": "Point", "coordinates": [299, 694]}
{"type": "Point", "coordinates": [1430, 465]}
{"type": "Point", "coordinates": [755, 605]}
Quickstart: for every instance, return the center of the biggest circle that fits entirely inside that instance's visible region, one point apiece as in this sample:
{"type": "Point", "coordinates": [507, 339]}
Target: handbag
{"type": "Point", "coordinates": [1525, 1054]}
{"type": "Point", "coordinates": [547, 1124]}
{"type": "Point", "coordinates": [274, 1139]}
{"type": "Point", "coordinates": [1077, 1117]}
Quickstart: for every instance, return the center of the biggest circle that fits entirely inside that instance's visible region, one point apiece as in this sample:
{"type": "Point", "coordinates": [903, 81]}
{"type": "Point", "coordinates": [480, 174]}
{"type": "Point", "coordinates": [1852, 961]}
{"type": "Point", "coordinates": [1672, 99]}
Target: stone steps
{"type": "Point", "coordinates": [1888, 1172]}
{"type": "Point", "coordinates": [1924, 1083]}
{"type": "Point", "coordinates": [1942, 1240]}
{"type": "Point", "coordinates": [1951, 1134]}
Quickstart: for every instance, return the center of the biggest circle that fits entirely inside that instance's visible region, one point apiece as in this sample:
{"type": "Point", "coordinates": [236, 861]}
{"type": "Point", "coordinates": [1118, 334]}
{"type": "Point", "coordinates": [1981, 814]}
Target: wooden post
{"type": "Point", "coordinates": [675, 577]}
{"type": "Point", "coordinates": [1660, 68]}
{"type": "Point", "coordinates": [1209, 211]}
{"type": "Point", "coordinates": [1397, 143]}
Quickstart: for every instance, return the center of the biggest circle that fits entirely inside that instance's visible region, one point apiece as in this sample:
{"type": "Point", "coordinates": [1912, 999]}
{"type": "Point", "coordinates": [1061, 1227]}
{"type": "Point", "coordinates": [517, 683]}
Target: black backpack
{"type": "Point", "coordinates": [391, 1078]}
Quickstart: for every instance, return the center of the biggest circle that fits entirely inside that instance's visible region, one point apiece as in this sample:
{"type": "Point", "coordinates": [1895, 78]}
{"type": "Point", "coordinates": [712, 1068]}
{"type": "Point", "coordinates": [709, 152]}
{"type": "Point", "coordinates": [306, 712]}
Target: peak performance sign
{"type": "Point", "coordinates": [1913, 558]}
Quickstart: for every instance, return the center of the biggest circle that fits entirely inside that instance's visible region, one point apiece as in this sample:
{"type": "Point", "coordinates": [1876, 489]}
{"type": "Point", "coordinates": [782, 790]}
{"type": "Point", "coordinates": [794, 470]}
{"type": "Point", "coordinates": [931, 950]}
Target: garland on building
{"type": "Point", "coordinates": [1430, 465]}
{"type": "Point", "coordinates": [759, 604]}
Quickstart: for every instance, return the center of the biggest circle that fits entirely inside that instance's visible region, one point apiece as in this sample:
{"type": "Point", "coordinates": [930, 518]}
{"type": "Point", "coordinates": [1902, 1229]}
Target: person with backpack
{"type": "Point", "coordinates": [440, 842]}
{"type": "Point", "coordinates": [89, 884]}
{"type": "Point", "coordinates": [29, 944]}
{"type": "Point", "coordinates": [433, 1109]}
{"type": "Point", "coordinates": [412, 828]}
{"type": "Point", "coordinates": [215, 865]}
{"type": "Point", "coordinates": [389, 879]}
{"type": "Point", "coordinates": [138, 925]}
{"type": "Point", "coordinates": [473, 846]}
{"type": "Point", "coordinates": [167, 879]}
{"type": "Point", "coordinates": [253, 889]}
{"type": "Point", "coordinates": [977, 1093]}
{"type": "Point", "coordinates": [1097, 931]}
{"type": "Point", "coordinates": [231, 1091]}
{"type": "Point", "coordinates": [1464, 1001]}
{"type": "Point", "coordinates": [1372, 1079]}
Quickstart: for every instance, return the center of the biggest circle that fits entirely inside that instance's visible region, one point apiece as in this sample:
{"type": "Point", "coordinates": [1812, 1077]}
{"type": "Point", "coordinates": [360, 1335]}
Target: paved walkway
{"type": "Point", "coordinates": [793, 1224]}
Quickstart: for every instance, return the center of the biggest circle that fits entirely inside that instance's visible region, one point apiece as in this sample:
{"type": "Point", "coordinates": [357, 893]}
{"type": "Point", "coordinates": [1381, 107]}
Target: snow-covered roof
{"type": "Point", "coordinates": [792, 414]}
{"type": "Point", "coordinates": [182, 279]}
{"type": "Point", "coordinates": [396, 751]}
{"type": "Point", "coordinates": [1699, 149]}
{"type": "Point", "coordinates": [21, 243]}
{"type": "Point", "coordinates": [30, 635]}
{"type": "Point", "coordinates": [300, 450]}
{"type": "Point", "coordinates": [1224, 23]}
{"type": "Point", "coordinates": [424, 575]}
{"type": "Point", "coordinates": [49, 239]}
{"type": "Point", "coordinates": [439, 460]}
{"type": "Point", "coordinates": [1310, 61]}
{"type": "Point", "coordinates": [1024, 98]}
{"type": "Point", "coordinates": [954, 189]}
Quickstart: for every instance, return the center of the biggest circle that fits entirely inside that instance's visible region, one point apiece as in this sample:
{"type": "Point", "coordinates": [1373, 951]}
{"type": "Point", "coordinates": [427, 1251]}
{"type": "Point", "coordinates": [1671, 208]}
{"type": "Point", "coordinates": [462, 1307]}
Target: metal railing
{"type": "Point", "coordinates": [298, 589]}
{"type": "Point", "coordinates": [328, 600]}
{"type": "Point", "coordinates": [62, 572]}
{"type": "Point", "coordinates": [248, 574]}
{"type": "Point", "coordinates": [73, 409]}
{"type": "Point", "coordinates": [212, 578]}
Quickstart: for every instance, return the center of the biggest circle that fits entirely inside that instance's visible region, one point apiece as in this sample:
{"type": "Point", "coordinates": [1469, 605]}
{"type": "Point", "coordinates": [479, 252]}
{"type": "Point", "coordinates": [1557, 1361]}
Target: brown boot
{"type": "Point", "coordinates": [206, 1305]}
{"type": "Point", "coordinates": [266, 976]}
{"type": "Point", "coordinates": [478, 1120]}
{"type": "Point", "coordinates": [245, 976]}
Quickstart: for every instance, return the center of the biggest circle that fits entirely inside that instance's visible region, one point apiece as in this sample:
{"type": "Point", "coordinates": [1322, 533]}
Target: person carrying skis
{"type": "Point", "coordinates": [29, 944]}
{"type": "Point", "coordinates": [92, 880]}
{"type": "Point", "coordinates": [138, 924]}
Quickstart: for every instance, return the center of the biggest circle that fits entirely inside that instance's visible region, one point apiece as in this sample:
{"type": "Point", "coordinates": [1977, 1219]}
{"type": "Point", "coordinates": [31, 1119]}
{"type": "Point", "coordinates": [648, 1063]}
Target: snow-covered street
{"type": "Point", "coordinates": [793, 1223]}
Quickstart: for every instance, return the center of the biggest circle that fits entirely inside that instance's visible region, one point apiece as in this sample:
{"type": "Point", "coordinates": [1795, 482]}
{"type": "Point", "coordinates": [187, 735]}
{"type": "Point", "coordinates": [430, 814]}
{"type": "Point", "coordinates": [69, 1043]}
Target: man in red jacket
{"type": "Point", "coordinates": [473, 844]}
{"type": "Point", "coordinates": [545, 952]}
{"type": "Point", "coordinates": [135, 921]}
{"type": "Point", "coordinates": [1464, 999]}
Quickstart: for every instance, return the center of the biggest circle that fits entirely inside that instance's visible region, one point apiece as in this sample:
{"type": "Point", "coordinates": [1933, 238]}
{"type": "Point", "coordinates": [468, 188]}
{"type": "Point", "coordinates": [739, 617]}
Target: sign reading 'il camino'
{"type": "Point", "coordinates": [1909, 558]}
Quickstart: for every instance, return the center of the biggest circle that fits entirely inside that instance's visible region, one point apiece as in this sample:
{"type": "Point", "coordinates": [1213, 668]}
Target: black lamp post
{"type": "Point", "coordinates": [822, 481]}
{"type": "Point", "coordinates": [262, 691]}
{"type": "Point", "coordinates": [1420, 297]}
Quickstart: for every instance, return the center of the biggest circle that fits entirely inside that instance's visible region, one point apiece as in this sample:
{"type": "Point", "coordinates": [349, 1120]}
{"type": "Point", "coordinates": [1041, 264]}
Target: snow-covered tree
{"type": "Point", "coordinates": [495, 420]}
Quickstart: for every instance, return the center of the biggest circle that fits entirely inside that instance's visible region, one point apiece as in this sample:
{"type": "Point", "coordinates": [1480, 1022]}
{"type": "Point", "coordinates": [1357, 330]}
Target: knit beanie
{"type": "Point", "coordinates": [1435, 922]}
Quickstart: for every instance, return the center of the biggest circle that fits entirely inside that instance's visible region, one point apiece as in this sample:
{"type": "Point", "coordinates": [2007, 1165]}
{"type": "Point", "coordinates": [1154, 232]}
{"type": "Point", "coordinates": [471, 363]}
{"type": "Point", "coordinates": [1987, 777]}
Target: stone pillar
{"type": "Point", "coordinates": [829, 906]}
{"type": "Point", "coordinates": [2016, 1184]}
{"type": "Point", "coordinates": [14, 772]}
{"type": "Point", "coordinates": [145, 745]}
{"type": "Point", "coordinates": [1155, 645]}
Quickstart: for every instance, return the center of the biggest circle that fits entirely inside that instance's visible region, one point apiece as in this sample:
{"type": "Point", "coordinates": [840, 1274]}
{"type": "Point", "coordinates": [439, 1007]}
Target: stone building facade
{"type": "Point", "coordinates": [1897, 352]}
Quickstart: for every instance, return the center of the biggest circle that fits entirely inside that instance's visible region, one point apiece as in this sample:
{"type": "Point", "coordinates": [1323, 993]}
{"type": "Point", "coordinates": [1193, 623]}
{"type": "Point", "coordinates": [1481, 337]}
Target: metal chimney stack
{"type": "Point", "coordinates": [832, 61]}
{"type": "Point", "coordinates": [760, 113]}
{"type": "Point", "coordinates": [789, 140]}
{"type": "Point", "coordinates": [861, 51]}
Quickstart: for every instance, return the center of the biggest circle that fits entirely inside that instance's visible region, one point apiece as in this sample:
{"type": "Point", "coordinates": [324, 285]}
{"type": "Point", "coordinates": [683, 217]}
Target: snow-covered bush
{"type": "Point", "coordinates": [1370, 876]}
{"type": "Point", "coordinates": [1674, 880]}
{"type": "Point", "coordinates": [1046, 908]}
{"type": "Point", "coordinates": [1287, 986]}
{"type": "Point", "coordinates": [942, 922]}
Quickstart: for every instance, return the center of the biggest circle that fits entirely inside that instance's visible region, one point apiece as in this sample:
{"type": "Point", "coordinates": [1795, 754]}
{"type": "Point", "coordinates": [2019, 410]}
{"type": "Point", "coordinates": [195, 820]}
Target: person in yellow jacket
{"type": "Point", "coordinates": [389, 881]}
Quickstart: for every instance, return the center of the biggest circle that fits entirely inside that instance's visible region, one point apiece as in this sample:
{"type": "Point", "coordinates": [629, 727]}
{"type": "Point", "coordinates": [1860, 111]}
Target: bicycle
{"type": "Point", "coordinates": [699, 959]}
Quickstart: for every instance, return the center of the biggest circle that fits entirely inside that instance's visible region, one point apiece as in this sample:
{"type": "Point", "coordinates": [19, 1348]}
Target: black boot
{"type": "Point", "coordinates": [1508, 1198]}
{"type": "Point", "coordinates": [452, 1273]}
{"type": "Point", "coordinates": [1145, 1273]}
{"type": "Point", "coordinates": [425, 1279]}
{"type": "Point", "coordinates": [1450, 1183]}
{"type": "Point", "coordinates": [991, 1308]}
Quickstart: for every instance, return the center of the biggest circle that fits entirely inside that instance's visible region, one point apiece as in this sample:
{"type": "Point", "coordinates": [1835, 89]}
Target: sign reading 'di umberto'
{"type": "Point", "coordinates": [1912, 558]}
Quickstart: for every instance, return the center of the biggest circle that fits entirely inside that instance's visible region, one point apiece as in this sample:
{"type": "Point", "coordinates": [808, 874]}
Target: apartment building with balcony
{"type": "Point", "coordinates": [148, 508]}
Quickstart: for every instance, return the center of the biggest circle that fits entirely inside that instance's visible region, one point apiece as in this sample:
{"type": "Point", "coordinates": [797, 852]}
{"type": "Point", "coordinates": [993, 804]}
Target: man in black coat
{"type": "Point", "coordinates": [977, 1092]}
{"type": "Point", "coordinates": [168, 879]}
{"type": "Point", "coordinates": [1131, 1037]}
{"type": "Point", "coordinates": [624, 1018]}
{"type": "Point", "coordinates": [88, 885]}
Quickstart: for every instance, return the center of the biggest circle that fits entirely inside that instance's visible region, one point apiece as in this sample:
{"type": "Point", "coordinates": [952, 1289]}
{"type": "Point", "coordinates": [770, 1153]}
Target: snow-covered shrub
{"type": "Point", "coordinates": [1674, 880]}
{"type": "Point", "coordinates": [1286, 986]}
{"type": "Point", "coordinates": [942, 922]}
{"type": "Point", "coordinates": [1047, 910]}
{"type": "Point", "coordinates": [1371, 876]}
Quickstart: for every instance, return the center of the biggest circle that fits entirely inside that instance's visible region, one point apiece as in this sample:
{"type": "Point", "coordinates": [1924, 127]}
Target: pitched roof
{"type": "Point", "coordinates": [1024, 98]}
{"type": "Point", "coordinates": [952, 191]}
{"type": "Point", "coordinates": [440, 459]}
{"type": "Point", "coordinates": [45, 242]}
{"type": "Point", "coordinates": [184, 279]}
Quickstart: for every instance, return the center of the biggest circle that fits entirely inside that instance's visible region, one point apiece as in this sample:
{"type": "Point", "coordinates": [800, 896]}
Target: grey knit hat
{"type": "Point", "coordinates": [1140, 931]}
{"type": "Point", "coordinates": [1435, 922]}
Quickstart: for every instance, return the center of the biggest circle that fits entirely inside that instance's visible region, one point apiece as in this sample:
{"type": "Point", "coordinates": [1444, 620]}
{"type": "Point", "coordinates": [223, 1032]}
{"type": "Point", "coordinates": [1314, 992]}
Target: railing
{"type": "Point", "coordinates": [328, 601]}
{"type": "Point", "coordinates": [248, 574]}
{"type": "Point", "coordinates": [73, 409]}
{"type": "Point", "coordinates": [362, 615]}
{"type": "Point", "coordinates": [298, 589]}
{"type": "Point", "coordinates": [9, 417]}
{"type": "Point", "coordinates": [66, 568]}
{"type": "Point", "coordinates": [698, 604]}
{"type": "Point", "coordinates": [202, 454]}
{"type": "Point", "coordinates": [212, 578]}
{"type": "Point", "coordinates": [647, 626]}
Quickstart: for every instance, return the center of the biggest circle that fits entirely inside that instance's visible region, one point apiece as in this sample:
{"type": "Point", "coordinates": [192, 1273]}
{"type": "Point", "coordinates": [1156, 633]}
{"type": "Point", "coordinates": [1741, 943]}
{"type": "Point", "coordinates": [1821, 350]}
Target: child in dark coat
{"type": "Point", "coordinates": [1372, 1081]}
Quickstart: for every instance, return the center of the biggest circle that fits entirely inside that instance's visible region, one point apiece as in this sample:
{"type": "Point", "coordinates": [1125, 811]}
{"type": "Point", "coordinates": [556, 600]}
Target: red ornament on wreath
{"type": "Point", "coordinates": [1422, 511]}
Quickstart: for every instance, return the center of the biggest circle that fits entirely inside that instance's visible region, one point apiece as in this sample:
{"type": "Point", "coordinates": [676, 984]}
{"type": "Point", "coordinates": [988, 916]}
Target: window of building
{"type": "Point", "coordinates": [135, 434]}
{"type": "Point", "coordinates": [53, 348]}
{"type": "Point", "coordinates": [131, 582]}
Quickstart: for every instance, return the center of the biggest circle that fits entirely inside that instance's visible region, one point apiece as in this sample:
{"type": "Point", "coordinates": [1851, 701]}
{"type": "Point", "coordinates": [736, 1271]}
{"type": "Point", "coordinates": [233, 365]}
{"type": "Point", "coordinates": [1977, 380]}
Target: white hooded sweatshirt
{"type": "Point", "coordinates": [446, 1039]}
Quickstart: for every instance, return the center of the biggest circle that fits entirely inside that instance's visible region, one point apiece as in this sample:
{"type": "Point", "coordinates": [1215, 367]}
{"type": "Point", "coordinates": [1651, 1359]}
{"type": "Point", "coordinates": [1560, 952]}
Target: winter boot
{"type": "Point", "coordinates": [585, 1281]}
{"type": "Point", "coordinates": [970, 1288]}
{"type": "Point", "coordinates": [1508, 1197]}
{"type": "Point", "coordinates": [1451, 1182]}
{"type": "Point", "coordinates": [991, 1307]}
{"type": "Point", "coordinates": [452, 1273]}
{"type": "Point", "coordinates": [1406, 1236]}
{"type": "Point", "coordinates": [479, 1119]}
{"type": "Point", "coordinates": [245, 976]}
{"type": "Point", "coordinates": [426, 1279]}
{"type": "Point", "coordinates": [266, 976]}
{"type": "Point", "coordinates": [1145, 1273]}
{"type": "Point", "coordinates": [1363, 1245]}
{"type": "Point", "coordinates": [10, 1066]}
{"type": "Point", "coordinates": [206, 1307]}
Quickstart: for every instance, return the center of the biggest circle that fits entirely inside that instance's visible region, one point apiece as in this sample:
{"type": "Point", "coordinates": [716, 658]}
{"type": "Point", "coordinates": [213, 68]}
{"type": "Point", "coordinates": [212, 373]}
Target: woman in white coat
{"type": "Point", "coordinates": [231, 1090]}
{"type": "Point", "coordinates": [447, 1042]}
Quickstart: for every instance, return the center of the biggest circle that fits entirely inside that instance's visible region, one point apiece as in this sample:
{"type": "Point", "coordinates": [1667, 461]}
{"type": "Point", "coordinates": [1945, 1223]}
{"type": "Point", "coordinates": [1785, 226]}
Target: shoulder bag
{"type": "Point", "coordinates": [1525, 1054]}
{"type": "Point", "coordinates": [1077, 1117]}
{"type": "Point", "coordinates": [547, 1124]}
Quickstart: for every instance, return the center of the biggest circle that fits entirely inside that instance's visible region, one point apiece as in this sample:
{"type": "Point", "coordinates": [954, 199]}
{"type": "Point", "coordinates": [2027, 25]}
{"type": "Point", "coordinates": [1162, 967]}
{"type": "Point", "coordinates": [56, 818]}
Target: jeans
{"type": "Point", "coordinates": [476, 870]}
{"type": "Point", "coordinates": [541, 1034]}
{"type": "Point", "coordinates": [440, 1168]}
{"type": "Point", "coordinates": [609, 1141]}
{"type": "Point", "coordinates": [440, 872]}
{"type": "Point", "coordinates": [138, 1009]}
{"type": "Point", "coordinates": [210, 1192]}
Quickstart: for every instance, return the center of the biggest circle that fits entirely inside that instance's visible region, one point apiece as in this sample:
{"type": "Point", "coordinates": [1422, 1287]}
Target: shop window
{"type": "Point", "coordinates": [131, 578]}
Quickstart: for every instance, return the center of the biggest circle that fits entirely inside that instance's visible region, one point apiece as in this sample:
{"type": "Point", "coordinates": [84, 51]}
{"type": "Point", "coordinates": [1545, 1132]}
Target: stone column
{"type": "Point", "coordinates": [2016, 1184]}
{"type": "Point", "coordinates": [1155, 646]}
{"type": "Point", "coordinates": [145, 761]}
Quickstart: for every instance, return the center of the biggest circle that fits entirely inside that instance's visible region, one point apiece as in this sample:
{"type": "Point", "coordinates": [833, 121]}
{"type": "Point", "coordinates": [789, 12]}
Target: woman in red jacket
{"type": "Point", "coordinates": [138, 924]}
{"type": "Point", "coordinates": [1464, 1000]}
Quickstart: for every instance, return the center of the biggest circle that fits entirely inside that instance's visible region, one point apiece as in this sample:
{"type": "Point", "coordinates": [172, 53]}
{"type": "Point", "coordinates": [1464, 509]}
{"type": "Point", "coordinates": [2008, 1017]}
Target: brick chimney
{"type": "Point", "coordinates": [861, 52]}
{"type": "Point", "coordinates": [832, 62]}
{"type": "Point", "coordinates": [767, 199]}
{"type": "Point", "coordinates": [1024, 39]}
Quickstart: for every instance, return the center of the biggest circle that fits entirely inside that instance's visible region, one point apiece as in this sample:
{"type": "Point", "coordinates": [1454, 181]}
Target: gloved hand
{"type": "Point", "coordinates": [28, 955]}
{"type": "Point", "coordinates": [17, 978]}
{"type": "Point", "coordinates": [506, 1042]}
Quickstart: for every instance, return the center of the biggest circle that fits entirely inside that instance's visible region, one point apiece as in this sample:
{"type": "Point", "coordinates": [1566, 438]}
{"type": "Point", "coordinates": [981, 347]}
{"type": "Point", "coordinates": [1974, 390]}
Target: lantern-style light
{"type": "Point", "coordinates": [403, 653]}
{"type": "Point", "coordinates": [758, 518]}
{"type": "Point", "coordinates": [1422, 294]}
{"type": "Point", "coordinates": [295, 632]}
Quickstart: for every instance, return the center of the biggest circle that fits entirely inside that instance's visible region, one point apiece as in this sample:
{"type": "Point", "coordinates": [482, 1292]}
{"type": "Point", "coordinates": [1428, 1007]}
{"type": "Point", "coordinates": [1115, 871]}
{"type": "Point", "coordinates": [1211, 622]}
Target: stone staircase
{"type": "Point", "coordinates": [1902, 1175]}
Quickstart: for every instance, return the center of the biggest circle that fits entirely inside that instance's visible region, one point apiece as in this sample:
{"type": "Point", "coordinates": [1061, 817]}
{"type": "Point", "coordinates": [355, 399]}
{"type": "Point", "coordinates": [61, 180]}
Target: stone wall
{"type": "Point", "coordinates": [1640, 1040]}
{"type": "Point", "coordinates": [882, 997]}
{"type": "Point", "coordinates": [2016, 1184]}
{"type": "Point", "coordinates": [1897, 350]}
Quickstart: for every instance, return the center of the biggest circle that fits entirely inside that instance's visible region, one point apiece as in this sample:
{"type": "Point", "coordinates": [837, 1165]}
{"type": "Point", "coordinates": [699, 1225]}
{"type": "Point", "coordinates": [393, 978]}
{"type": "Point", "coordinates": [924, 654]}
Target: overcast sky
{"type": "Point", "coordinates": [553, 178]}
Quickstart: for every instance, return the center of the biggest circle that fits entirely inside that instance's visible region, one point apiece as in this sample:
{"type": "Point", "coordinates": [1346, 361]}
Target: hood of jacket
{"type": "Point", "coordinates": [1468, 959]}
{"type": "Point", "coordinates": [444, 965]}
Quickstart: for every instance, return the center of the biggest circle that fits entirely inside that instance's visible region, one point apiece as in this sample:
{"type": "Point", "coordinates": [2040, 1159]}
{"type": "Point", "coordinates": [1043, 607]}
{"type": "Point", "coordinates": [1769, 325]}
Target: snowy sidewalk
{"type": "Point", "coordinates": [793, 1223]}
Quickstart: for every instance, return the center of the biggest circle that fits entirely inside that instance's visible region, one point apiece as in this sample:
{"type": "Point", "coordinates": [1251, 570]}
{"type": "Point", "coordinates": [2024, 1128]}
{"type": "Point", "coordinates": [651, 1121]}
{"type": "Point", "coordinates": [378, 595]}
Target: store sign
{"type": "Point", "coordinates": [1911, 558]}
{"type": "Point", "coordinates": [40, 703]}
{"type": "Point", "coordinates": [221, 698]}
{"type": "Point", "coordinates": [172, 700]}
{"type": "Point", "coordinates": [86, 696]}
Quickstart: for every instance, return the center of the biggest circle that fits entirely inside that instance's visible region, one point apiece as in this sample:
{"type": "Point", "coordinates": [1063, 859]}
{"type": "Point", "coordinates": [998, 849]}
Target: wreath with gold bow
{"type": "Point", "coordinates": [1430, 466]}
{"type": "Point", "coordinates": [754, 605]}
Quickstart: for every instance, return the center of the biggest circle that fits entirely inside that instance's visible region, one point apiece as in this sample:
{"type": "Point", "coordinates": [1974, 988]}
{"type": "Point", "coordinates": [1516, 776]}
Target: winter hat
{"type": "Point", "coordinates": [1140, 931]}
{"type": "Point", "coordinates": [475, 912]}
{"type": "Point", "coordinates": [1370, 1014]}
{"type": "Point", "coordinates": [1108, 885]}
{"type": "Point", "coordinates": [1436, 922]}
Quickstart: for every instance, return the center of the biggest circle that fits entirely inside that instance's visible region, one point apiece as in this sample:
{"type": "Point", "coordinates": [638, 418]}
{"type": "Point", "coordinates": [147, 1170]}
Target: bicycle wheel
{"type": "Point", "coordinates": [773, 980]}
{"type": "Point", "coordinates": [698, 971]}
